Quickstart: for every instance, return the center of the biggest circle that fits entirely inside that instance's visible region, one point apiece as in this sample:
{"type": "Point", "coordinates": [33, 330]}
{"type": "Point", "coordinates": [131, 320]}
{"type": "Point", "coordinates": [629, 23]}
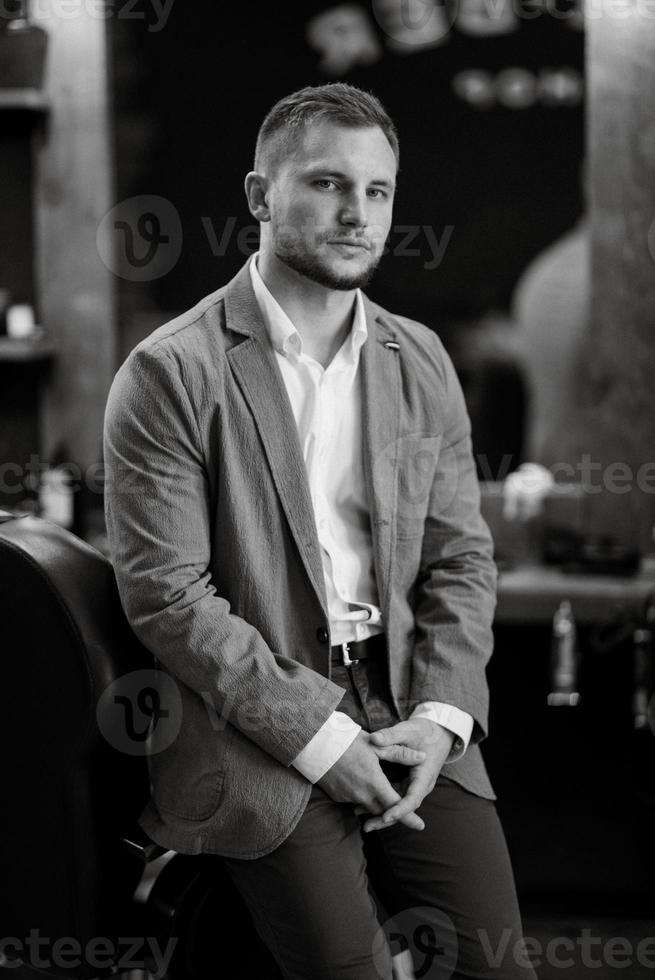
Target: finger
{"type": "Point", "coordinates": [407, 805]}
{"type": "Point", "coordinates": [382, 799]}
{"type": "Point", "coordinates": [386, 800]}
{"type": "Point", "coordinates": [418, 786]}
{"type": "Point", "coordinates": [400, 753]}
{"type": "Point", "coordinates": [410, 820]}
{"type": "Point", "coordinates": [391, 735]}
{"type": "Point", "coordinates": [404, 811]}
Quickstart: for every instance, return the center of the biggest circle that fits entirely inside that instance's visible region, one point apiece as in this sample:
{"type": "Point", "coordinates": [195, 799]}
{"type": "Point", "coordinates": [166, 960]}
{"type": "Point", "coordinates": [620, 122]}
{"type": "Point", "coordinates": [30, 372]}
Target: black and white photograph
{"type": "Point", "coordinates": [327, 490]}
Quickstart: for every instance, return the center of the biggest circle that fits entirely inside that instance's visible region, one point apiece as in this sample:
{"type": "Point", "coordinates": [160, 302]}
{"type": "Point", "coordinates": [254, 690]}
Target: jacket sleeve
{"type": "Point", "coordinates": [455, 593]}
{"type": "Point", "coordinates": [159, 524]}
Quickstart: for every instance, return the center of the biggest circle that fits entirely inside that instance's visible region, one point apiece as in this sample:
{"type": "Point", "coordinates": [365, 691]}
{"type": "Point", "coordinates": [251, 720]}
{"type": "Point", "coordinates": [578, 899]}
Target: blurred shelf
{"type": "Point", "coordinates": [530, 594]}
{"type": "Point", "coordinates": [25, 350]}
{"type": "Point", "coordinates": [26, 99]}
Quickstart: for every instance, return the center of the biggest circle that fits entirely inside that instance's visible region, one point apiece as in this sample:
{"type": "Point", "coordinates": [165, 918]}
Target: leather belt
{"type": "Point", "coordinates": [346, 654]}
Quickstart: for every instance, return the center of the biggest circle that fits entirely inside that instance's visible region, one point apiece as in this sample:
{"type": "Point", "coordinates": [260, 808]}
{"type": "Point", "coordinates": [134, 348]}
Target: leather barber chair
{"type": "Point", "coordinates": [83, 892]}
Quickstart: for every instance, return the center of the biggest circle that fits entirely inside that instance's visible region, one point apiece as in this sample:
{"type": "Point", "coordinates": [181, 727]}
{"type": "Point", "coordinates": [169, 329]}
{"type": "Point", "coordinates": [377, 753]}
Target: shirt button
{"type": "Point", "coordinates": [322, 634]}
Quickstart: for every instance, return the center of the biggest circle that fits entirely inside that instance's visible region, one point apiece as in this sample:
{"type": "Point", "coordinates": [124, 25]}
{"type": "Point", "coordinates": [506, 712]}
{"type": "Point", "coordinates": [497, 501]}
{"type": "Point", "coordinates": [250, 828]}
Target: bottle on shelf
{"type": "Point", "coordinates": [565, 658]}
{"type": "Point", "coordinates": [643, 694]}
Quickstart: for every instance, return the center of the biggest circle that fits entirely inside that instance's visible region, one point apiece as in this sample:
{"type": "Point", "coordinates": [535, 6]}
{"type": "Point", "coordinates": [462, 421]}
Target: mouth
{"type": "Point", "coordinates": [350, 243]}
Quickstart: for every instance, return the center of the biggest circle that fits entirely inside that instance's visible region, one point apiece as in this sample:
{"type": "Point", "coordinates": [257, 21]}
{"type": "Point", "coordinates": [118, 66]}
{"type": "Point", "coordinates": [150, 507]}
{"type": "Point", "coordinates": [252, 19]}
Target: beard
{"type": "Point", "coordinates": [320, 272]}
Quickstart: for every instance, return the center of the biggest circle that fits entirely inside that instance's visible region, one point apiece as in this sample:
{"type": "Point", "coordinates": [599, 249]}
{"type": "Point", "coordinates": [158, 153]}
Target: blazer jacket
{"type": "Point", "coordinates": [214, 544]}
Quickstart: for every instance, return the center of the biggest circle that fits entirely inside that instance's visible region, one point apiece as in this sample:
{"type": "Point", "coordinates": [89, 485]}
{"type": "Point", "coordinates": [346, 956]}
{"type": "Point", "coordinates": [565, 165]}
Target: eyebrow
{"type": "Point", "coordinates": [327, 172]}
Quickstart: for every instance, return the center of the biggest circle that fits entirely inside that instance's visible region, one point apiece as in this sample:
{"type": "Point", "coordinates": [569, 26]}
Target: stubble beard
{"type": "Point", "coordinates": [312, 268]}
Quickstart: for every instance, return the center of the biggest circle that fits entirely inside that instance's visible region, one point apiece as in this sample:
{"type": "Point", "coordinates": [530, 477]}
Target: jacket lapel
{"type": "Point", "coordinates": [381, 420]}
{"type": "Point", "coordinates": [255, 368]}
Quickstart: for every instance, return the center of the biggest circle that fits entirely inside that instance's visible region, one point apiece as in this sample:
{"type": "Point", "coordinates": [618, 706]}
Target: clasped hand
{"type": "Point", "coordinates": [357, 777]}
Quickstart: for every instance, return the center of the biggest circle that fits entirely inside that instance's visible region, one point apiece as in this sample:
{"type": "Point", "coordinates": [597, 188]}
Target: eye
{"type": "Point", "coordinates": [325, 183]}
{"type": "Point", "coordinates": [377, 192]}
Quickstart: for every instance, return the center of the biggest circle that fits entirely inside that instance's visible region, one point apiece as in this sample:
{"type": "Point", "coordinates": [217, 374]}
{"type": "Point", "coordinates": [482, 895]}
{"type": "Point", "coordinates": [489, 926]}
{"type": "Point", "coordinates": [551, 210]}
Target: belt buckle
{"type": "Point", "coordinates": [345, 655]}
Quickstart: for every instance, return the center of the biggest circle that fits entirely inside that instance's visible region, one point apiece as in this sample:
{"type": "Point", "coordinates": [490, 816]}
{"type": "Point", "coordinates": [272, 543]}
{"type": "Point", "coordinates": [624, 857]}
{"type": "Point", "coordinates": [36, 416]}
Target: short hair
{"type": "Point", "coordinates": [338, 102]}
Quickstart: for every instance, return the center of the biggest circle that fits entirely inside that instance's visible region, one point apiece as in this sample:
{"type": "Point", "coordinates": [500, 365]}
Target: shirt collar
{"type": "Point", "coordinates": [284, 336]}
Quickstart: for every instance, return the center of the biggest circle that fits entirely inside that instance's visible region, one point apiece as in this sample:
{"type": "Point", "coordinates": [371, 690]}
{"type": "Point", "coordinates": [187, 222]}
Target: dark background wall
{"type": "Point", "coordinates": [501, 171]}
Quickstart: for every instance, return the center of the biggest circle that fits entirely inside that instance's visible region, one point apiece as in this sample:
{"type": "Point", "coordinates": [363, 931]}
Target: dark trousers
{"type": "Point", "coordinates": [331, 902]}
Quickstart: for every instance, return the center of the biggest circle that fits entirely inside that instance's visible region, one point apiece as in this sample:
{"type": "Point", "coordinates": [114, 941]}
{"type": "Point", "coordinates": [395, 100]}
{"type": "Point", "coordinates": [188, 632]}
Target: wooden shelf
{"type": "Point", "coordinates": [39, 349]}
{"type": "Point", "coordinates": [25, 99]}
{"type": "Point", "coordinates": [530, 594]}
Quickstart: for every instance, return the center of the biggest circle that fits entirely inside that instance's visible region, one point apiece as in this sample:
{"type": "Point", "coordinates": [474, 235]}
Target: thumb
{"type": "Point", "coordinates": [389, 736]}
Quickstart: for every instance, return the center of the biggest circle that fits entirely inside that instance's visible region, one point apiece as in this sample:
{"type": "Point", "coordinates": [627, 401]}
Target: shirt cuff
{"type": "Point", "coordinates": [459, 722]}
{"type": "Point", "coordinates": [326, 746]}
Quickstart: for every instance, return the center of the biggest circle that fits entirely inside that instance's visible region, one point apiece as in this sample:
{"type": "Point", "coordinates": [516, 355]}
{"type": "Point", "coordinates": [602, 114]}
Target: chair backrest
{"type": "Point", "coordinates": [67, 793]}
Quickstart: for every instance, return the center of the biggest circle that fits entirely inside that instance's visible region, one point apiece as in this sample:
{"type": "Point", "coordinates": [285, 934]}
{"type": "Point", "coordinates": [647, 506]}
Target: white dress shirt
{"type": "Point", "coordinates": [326, 404]}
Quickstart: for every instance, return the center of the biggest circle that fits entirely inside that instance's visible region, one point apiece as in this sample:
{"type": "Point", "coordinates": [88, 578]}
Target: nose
{"type": "Point", "coordinates": [353, 211]}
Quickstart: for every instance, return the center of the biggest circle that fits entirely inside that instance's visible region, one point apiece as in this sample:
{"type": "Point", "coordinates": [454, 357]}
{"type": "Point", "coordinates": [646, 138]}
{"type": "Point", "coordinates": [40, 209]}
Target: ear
{"type": "Point", "coordinates": [257, 189]}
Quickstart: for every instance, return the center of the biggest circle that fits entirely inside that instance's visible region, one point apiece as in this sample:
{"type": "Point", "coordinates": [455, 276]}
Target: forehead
{"type": "Point", "coordinates": [347, 149]}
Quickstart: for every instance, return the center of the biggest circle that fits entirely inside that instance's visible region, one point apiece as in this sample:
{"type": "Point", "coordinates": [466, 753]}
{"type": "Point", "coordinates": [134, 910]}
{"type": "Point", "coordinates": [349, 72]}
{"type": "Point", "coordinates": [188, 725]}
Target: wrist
{"type": "Point", "coordinates": [437, 732]}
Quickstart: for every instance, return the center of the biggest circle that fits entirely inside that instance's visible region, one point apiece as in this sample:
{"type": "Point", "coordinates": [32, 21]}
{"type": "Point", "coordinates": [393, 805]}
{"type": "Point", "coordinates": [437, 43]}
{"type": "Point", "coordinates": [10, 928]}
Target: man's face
{"type": "Point", "coordinates": [331, 203]}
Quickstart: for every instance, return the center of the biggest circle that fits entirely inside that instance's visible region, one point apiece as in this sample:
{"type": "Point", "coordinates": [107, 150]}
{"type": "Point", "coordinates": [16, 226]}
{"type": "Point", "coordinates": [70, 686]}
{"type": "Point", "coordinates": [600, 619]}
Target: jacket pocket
{"type": "Point", "coordinates": [191, 799]}
{"type": "Point", "coordinates": [416, 462]}
{"type": "Point", "coordinates": [187, 777]}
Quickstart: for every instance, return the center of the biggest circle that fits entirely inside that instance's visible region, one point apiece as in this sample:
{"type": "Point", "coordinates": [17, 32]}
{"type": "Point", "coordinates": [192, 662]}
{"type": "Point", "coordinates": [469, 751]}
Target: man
{"type": "Point", "coordinates": [293, 517]}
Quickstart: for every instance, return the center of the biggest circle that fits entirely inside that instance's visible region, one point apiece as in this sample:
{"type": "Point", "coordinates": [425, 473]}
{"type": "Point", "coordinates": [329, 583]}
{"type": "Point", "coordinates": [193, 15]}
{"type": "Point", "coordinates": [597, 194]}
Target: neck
{"type": "Point", "coordinates": [322, 316]}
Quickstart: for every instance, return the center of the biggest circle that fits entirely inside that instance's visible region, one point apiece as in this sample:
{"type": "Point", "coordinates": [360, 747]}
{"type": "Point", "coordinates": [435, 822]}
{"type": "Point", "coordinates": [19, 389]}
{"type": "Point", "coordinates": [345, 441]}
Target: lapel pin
{"type": "Point", "coordinates": [391, 345]}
